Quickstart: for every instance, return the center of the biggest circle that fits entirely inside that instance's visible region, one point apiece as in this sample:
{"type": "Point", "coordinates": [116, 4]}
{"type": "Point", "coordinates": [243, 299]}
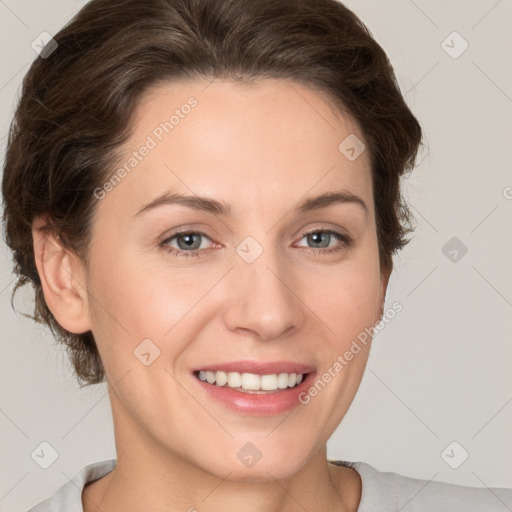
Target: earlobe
{"type": "Point", "coordinates": [62, 279]}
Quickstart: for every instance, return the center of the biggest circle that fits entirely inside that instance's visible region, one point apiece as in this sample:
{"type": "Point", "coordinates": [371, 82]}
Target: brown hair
{"type": "Point", "coordinates": [77, 103]}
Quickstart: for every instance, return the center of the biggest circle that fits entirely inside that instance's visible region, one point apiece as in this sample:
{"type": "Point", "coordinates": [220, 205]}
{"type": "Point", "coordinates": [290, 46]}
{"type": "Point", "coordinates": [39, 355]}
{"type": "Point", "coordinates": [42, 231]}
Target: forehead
{"type": "Point", "coordinates": [269, 141]}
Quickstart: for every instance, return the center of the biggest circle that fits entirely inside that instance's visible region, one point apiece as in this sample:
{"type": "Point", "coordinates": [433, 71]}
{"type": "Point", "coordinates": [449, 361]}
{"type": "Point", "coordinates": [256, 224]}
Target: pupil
{"type": "Point", "coordinates": [189, 241]}
{"type": "Point", "coordinates": [317, 237]}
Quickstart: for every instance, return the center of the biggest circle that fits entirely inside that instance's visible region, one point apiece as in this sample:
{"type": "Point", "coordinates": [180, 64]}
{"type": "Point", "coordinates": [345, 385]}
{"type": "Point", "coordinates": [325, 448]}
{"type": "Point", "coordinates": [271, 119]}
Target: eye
{"type": "Point", "coordinates": [322, 238]}
{"type": "Point", "coordinates": [189, 244]}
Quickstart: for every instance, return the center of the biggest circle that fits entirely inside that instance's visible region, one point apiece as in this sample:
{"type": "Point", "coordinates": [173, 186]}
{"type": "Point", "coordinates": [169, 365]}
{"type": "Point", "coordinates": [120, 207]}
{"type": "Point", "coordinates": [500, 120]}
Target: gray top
{"type": "Point", "coordinates": [381, 492]}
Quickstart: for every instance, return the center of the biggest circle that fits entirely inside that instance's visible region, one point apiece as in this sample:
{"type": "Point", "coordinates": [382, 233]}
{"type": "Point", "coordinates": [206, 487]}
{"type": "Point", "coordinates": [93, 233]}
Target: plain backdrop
{"type": "Point", "coordinates": [438, 373]}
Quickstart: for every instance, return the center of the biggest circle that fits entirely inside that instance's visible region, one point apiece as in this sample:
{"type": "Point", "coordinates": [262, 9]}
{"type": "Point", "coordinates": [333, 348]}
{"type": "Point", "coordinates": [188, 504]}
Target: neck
{"type": "Point", "coordinates": [149, 477]}
{"type": "Point", "coordinates": [146, 486]}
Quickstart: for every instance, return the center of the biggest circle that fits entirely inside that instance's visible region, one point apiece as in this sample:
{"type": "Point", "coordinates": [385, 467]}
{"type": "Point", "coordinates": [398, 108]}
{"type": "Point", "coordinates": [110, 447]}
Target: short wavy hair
{"type": "Point", "coordinates": [77, 103]}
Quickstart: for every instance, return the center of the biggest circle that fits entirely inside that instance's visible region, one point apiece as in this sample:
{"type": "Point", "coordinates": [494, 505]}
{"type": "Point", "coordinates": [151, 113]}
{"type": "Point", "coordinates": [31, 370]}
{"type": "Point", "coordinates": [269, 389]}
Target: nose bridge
{"type": "Point", "coordinates": [262, 301]}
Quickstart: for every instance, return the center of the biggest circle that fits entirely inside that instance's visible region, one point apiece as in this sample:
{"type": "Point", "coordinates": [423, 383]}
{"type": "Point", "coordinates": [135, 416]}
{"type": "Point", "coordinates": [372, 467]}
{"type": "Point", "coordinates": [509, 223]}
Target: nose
{"type": "Point", "coordinates": [262, 300]}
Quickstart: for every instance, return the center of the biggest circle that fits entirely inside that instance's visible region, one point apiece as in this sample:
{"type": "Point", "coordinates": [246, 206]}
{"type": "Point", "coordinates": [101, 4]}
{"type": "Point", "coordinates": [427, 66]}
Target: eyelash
{"type": "Point", "coordinates": [345, 240]}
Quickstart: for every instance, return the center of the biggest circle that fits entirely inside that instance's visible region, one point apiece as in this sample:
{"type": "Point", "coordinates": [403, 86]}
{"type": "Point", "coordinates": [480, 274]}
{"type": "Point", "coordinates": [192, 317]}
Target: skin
{"type": "Point", "coordinates": [261, 148]}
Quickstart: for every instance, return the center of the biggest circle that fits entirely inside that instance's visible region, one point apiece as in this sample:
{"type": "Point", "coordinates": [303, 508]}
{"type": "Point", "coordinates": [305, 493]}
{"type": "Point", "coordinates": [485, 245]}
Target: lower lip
{"type": "Point", "coordinates": [257, 404]}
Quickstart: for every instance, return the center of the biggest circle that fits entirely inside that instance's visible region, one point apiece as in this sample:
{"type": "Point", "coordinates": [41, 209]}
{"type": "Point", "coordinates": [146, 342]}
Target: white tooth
{"type": "Point", "coordinates": [234, 380]}
{"type": "Point", "coordinates": [269, 382]}
{"type": "Point", "coordinates": [221, 378]}
{"type": "Point", "coordinates": [282, 381]}
{"type": "Point", "coordinates": [250, 381]}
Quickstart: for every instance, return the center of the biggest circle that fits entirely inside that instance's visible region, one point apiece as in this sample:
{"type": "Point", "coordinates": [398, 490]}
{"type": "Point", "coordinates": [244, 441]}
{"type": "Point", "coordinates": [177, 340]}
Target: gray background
{"type": "Point", "coordinates": [440, 371]}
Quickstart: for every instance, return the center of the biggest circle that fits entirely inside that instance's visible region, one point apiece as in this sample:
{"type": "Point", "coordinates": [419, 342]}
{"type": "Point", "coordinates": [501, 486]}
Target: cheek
{"type": "Point", "coordinates": [161, 297]}
{"type": "Point", "coordinates": [137, 299]}
{"type": "Point", "coordinates": [347, 299]}
{"type": "Point", "coordinates": [347, 312]}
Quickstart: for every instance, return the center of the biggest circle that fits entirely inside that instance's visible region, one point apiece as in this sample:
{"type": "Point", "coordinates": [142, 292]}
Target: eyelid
{"type": "Point", "coordinates": [338, 231]}
{"type": "Point", "coordinates": [183, 230]}
{"type": "Point", "coordinates": [193, 230]}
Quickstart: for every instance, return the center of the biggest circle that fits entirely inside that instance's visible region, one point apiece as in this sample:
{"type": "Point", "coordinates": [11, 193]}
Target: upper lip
{"type": "Point", "coordinates": [258, 367]}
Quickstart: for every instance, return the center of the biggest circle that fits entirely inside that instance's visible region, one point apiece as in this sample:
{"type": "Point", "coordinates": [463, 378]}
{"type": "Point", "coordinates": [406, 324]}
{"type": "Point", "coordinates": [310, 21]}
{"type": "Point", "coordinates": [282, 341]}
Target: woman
{"type": "Point", "coordinates": [205, 196]}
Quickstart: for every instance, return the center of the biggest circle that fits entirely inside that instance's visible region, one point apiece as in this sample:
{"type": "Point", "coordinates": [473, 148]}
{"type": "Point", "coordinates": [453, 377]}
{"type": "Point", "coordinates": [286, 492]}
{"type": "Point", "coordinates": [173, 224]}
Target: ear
{"type": "Point", "coordinates": [62, 278]}
{"type": "Point", "coordinates": [384, 280]}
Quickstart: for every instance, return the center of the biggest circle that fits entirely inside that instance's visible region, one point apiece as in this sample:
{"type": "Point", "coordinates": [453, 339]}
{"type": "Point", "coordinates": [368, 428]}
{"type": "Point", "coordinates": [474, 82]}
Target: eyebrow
{"type": "Point", "coordinates": [209, 205]}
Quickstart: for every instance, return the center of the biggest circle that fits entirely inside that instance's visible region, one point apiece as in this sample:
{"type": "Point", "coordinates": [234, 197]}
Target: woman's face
{"type": "Point", "coordinates": [252, 283]}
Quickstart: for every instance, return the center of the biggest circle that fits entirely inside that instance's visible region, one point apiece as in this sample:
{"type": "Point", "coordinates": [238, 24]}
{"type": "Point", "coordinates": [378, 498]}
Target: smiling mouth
{"type": "Point", "coordinates": [250, 382]}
